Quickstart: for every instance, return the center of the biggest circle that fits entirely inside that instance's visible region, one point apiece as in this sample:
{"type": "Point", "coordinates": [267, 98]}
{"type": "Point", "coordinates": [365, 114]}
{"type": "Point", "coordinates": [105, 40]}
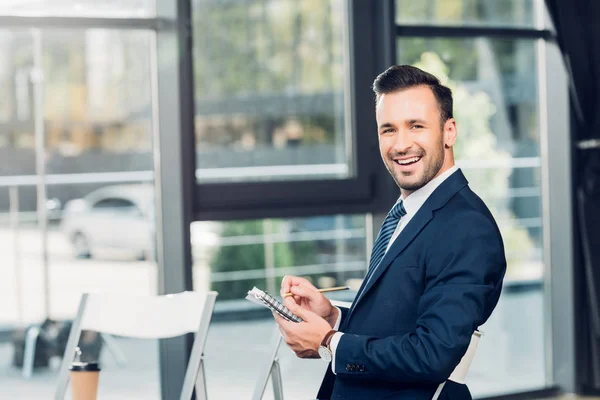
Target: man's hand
{"type": "Point", "coordinates": [306, 295]}
{"type": "Point", "coordinates": [304, 337]}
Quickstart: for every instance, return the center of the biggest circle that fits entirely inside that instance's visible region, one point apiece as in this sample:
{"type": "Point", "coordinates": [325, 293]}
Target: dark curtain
{"type": "Point", "coordinates": [577, 24]}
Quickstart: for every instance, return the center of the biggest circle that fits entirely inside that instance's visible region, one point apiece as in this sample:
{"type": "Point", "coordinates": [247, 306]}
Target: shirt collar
{"type": "Point", "coordinates": [417, 198]}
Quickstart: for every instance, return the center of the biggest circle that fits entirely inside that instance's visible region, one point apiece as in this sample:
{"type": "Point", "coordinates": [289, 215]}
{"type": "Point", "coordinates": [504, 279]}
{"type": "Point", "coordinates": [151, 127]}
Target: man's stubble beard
{"type": "Point", "coordinates": [429, 173]}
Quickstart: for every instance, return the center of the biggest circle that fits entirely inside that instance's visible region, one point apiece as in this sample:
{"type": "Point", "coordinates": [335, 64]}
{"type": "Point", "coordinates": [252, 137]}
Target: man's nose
{"type": "Point", "coordinates": [403, 142]}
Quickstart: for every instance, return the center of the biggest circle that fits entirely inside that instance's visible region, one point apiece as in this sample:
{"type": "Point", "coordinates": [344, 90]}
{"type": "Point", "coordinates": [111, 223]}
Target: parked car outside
{"type": "Point", "coordinates": [116, 217]}
{"type": "Point", "coordinates": [122, 218]}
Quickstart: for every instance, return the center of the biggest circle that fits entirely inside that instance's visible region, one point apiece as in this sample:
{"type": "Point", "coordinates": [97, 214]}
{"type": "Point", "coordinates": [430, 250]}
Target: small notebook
{"type": "Point", "coordinates": [261, 297]}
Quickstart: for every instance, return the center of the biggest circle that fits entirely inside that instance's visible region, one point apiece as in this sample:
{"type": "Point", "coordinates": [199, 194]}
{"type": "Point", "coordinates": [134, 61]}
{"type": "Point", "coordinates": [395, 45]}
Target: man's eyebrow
{"type": "Point", "coordinates": [416, 121]}
{"type": "Point", "coordinates": [386, 125]}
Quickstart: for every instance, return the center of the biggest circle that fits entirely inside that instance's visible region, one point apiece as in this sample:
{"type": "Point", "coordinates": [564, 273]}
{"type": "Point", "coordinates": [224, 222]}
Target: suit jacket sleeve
{"type": "Point", "coordinates": [343, 313]}
{"type": "Point", "coordinates": [465, 266]}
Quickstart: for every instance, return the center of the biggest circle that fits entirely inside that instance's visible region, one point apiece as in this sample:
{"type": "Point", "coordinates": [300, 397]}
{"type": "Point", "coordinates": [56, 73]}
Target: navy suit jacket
{"type": "Point", "coordinates": [410, 326]}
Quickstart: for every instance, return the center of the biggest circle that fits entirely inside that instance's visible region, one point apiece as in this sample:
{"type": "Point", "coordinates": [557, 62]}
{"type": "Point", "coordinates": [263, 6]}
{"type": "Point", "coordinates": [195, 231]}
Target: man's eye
{"type": "Point", "coordinates": [388, 130]}
{"type": "Point", "coordinates": [417, 126]}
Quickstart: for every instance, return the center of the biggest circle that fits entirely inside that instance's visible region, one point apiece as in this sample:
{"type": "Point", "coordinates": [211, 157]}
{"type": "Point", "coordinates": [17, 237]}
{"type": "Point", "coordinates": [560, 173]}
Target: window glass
{"type": "Point", "coordinates": [79, 8]}
{"type": "Point", "coordinates": [270, 90]}
{"type": "Point", "coordinates": [509, 13]}
{"type": "Point", "coordinates": [97, 115]}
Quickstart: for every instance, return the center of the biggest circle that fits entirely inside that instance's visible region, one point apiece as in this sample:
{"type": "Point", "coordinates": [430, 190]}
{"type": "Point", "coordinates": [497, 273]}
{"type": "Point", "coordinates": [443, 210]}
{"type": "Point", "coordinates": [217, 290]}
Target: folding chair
{"type": "Point", "coordinates": [152, 317]}
{"type": "Point", "coordinates": [460, 372]}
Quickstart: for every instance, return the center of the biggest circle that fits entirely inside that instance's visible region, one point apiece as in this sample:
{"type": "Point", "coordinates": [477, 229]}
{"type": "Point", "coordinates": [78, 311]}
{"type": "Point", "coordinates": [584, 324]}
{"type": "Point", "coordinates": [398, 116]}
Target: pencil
{"type": "Point", "coordinates": [331, 289]}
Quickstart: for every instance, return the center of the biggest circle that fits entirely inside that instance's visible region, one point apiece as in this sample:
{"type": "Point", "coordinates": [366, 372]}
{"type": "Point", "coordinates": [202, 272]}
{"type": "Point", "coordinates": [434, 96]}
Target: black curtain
{"type": "Point", "coordinates": [577, 24]}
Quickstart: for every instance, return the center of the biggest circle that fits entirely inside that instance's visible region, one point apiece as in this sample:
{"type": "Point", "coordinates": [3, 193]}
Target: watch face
{"type": "Point", "coordinates": [325, 353]}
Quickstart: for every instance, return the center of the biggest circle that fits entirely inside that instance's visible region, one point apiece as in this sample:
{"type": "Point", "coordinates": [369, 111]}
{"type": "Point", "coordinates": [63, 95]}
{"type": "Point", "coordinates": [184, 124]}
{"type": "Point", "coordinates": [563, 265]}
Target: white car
{"type": "Point", "coordinates": [118, 217]}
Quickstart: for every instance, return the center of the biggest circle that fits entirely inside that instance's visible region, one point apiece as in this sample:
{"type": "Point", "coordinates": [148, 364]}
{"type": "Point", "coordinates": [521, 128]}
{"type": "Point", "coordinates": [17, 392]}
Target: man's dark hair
{"type": "Point", "coordinates": [402, 77]}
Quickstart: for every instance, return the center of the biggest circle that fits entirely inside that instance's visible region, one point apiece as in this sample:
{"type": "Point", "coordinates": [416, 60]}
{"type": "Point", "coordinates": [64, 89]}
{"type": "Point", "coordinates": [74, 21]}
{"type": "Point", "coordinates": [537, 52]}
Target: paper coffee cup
{"type": "Point", "coordinates": [84, 380]}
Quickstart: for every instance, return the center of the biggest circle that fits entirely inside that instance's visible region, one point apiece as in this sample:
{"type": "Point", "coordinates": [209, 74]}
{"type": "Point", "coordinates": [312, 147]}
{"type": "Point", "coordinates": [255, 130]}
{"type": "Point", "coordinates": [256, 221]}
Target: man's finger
{"type": "Point", "coordinates": [303, 313]}
{"type": "Point", "coordinates": [305, 290]}
{"type": "Point", "coordinates": [289, 281]}
{"type": "Point", "coordinates": [290, 302]}
{"type": "Point", "coordinates": [285, 285]}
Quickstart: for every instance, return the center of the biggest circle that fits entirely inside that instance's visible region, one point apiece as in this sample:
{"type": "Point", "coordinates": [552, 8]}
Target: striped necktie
{"type": "Point", "coordinates": [385, 234]}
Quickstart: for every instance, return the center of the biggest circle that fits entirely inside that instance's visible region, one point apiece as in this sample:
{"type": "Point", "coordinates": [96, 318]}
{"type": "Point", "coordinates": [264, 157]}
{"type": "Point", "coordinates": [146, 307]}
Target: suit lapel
{"type": "Point", "coordinates": [410, 231]}
{"type": "Point", "coordinates": [437, 200]}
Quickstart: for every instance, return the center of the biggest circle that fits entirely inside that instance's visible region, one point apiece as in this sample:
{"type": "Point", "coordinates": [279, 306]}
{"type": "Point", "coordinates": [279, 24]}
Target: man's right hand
{"type": "Point", "coordinates": [306, 295]}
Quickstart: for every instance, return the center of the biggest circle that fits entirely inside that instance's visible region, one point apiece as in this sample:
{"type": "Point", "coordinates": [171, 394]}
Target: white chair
{"type": "Point", "coordinates": [460, 372]}
{"type": "Point", "coordinates": [151, 317]}
{"type": "Point", "coordinates": [271, 366]}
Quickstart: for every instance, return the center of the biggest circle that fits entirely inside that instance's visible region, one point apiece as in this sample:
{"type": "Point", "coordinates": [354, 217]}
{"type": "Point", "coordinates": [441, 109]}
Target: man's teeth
{"type": "Point", "coordinates": [408, 161]}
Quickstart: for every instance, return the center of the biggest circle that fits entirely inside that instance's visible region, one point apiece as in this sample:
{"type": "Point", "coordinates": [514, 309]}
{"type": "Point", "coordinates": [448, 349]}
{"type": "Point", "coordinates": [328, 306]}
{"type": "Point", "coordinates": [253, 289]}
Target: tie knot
{"type": "Point", "coordinates": [398, 211]}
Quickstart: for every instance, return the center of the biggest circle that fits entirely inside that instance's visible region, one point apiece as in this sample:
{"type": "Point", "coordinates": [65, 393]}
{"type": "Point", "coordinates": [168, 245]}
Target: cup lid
{"type": "Point", "coordinates": [84, 366]}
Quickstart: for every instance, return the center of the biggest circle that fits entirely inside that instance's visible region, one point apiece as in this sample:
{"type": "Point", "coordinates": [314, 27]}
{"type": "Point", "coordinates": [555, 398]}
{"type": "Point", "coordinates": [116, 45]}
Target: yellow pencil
{"type": "Point", "coordinates": [332, 289]}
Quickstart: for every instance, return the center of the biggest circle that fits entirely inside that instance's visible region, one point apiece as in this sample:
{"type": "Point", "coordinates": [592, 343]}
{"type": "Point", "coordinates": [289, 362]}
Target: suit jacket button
{"type": "Point", "coordinates": [348, 367]}
{"type": "Point", "coordinates": [361, 368]}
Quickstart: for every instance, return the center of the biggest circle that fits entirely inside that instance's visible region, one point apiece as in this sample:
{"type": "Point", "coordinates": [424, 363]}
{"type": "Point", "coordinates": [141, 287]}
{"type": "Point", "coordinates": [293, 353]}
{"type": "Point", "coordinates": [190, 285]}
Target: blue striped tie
{"type": "Point", "coordinates": [387, 230]}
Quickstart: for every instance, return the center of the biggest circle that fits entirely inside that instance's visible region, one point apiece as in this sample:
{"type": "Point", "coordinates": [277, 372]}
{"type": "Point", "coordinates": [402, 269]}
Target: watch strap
{"type": "Point", "coordinates": [327, 339]}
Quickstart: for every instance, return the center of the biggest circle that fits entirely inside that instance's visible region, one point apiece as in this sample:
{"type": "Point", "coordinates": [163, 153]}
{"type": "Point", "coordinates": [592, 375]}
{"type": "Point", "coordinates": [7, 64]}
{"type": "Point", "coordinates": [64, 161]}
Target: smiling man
{"type": "Point", "coordinates": [435, 272]}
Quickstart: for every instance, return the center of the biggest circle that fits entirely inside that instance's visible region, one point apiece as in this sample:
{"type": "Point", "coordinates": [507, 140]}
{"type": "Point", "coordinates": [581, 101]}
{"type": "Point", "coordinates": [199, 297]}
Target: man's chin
{"type": "Point", "coordinates": [411, 185]}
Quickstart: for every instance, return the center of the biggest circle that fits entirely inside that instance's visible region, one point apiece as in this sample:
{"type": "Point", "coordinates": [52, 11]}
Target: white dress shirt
{"type": "Point", "coordinates": [412, 204]}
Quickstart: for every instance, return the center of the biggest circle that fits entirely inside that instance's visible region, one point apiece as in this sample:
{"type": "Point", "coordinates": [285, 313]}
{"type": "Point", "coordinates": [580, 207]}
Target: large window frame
{"type": "Point", "coordinates": [367, 24]}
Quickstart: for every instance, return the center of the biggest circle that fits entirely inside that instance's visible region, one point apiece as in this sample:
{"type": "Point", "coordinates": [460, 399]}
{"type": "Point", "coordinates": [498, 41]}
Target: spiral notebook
{"type": "Point", "coordinates": [263, 298]}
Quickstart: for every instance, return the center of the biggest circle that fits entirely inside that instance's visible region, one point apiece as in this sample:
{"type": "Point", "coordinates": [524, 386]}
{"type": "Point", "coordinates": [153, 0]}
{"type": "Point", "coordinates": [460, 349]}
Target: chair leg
{"type": "Point", "coordinates": [438, 391]}
{"type": "Point", "coordinates": [270, 367]}
{"type": "Point", "coordinates": [201, 390]}
{"type": "Point", "coordinates": [277, 381]}
{"type": "Point", "coordinates": [29, 352]}
{"type": "Point", "coordinates": [114, 349]}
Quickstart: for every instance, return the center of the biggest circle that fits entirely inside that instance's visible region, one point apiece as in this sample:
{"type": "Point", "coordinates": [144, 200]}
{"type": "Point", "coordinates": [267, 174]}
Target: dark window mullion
{"type": "Point", "coordinates": [472, 31]}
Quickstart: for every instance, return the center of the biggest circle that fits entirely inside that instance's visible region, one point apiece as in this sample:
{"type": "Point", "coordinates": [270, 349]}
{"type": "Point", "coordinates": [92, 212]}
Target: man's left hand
{"type": "Point", "coordinates": [304, 338]}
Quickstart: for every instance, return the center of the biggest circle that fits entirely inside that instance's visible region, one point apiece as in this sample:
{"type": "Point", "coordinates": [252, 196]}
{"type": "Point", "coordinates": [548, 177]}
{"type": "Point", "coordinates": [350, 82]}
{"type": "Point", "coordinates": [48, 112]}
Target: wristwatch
{"type": "Point", "coordinates": [324, 349]}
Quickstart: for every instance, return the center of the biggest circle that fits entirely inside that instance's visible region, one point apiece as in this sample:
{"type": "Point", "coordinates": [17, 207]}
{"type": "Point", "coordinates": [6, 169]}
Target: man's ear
{"type": "Point", "coordinates": [449, 133]}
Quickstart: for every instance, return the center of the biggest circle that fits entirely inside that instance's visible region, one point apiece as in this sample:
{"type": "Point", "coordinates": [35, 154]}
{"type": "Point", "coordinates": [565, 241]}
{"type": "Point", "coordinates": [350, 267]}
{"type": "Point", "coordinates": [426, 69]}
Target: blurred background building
{"type": "Point", "coordinates": [154, 147]}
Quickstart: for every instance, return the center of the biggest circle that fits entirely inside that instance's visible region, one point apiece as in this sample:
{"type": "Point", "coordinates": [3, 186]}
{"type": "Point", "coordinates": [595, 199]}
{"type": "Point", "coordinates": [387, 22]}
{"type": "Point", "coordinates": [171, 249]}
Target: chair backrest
{"type": "Point", "coordinates": [460, 372]}
{"type": "Point", "coordinates": [147, 317]}
{"type": "Point", "coordinates": [144, 317]}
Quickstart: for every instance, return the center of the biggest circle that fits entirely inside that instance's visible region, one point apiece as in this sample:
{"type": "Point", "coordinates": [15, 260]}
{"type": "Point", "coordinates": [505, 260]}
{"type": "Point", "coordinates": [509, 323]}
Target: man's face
{"type": "Point", "coordinates": [411, 138]}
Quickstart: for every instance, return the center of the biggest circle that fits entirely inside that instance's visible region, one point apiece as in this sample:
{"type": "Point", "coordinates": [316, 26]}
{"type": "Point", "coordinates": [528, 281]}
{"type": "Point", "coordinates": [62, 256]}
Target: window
{"type": "Point", "coordinates": [96, 112]}
{"type": "Point", "coordinates": [502, 13]}
{"type": "Point", "coordinates": [275, 125]}
{"type": "Point", "coordinates": [114, 203]}
{"type": "Point", "coordinates": [97, 108]}
{"type": "Point", "coordinates": [80, 8]}
{"type": "Point", "coordinates": [270, 90]}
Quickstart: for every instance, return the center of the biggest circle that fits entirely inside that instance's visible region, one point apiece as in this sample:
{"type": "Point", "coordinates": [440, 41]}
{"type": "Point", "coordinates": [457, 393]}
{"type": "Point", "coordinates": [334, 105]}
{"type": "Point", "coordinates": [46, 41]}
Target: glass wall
{"type": "Point", "coordinates": [270, 83]}
{"type": "Point", "coordinates": [496, 105]}
{"type": "Point", "coordinates": [76, 107]}
{"type": "Point", "coordinates": [272, 90]}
